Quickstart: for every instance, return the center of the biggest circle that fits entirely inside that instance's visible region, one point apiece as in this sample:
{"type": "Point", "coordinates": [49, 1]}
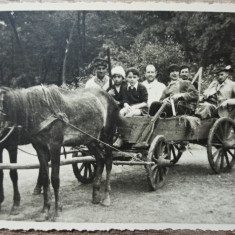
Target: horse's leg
{"type": "Point", "coordinates": [1, 180]}
{"type": "Point", "coordinates": [55, 179]}
{"type": "Point", "coordinates": [38, 188]}
{"type": "Point", "coordinates": [43, 156]}
{"type": "Point", "coordinates": [108, 162]}
{"type": "Point", "coordinates": [95, 149]}
{"type": "Point", "coordinates": [12, 149]}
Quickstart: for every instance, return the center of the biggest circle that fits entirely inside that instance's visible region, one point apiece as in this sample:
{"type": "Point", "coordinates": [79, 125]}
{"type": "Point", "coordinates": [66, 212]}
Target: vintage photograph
{"type": "Point", "coordinates": [117, 116]}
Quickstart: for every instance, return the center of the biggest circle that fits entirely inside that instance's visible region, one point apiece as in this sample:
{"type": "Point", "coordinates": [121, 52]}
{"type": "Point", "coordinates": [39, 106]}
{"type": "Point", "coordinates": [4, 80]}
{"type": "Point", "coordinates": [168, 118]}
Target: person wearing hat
{"type": "Point", "coordinates": [116, 90]}
{"type": "Point", "coordinates": [181, 91]}
{"type": "Point", "coordinates": [219, 95]}
{"type": "Point", "coordinates": [101, 79]}
{"type": "Point", "coordinates": [153, 86]}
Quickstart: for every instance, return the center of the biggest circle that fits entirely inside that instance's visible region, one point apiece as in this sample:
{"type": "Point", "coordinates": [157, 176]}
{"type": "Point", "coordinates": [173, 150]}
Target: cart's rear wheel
{"type": "Point", "coordinates": [175, 152]}
{"type": "Point", "coordinates": [221, 145]}
{"type": "Point", "coordinates": [84, 172]}
{"type": "Point", "coordinates": [156, 174]}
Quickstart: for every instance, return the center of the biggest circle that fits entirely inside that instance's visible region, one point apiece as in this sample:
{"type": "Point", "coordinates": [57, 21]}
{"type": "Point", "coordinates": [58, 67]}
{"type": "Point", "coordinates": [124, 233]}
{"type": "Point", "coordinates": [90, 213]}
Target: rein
{"type": "Point", "coordinates": [100, 141]}
{"type": "Point", "coordinates": [8, 134]}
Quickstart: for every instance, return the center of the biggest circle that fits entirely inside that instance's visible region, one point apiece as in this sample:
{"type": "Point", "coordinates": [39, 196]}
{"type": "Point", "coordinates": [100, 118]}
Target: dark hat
{"type": "Point", "coordinates": [224, 69]}
{"type": "Point", "coordinates": [184, 66]}
{"type": "Point", "coordinates": [100, 61]}
{"type": "Point", "coordinates": [173, 67]}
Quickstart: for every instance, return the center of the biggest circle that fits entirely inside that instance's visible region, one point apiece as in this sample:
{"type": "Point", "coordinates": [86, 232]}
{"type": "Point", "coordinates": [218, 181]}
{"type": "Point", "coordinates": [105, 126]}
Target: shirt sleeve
{"type": "Point", "coordinates": [164, 94]}
{"type": "Point", "coordinates": [191, 93]}
{"type": "Point", "coordinates": [125, 96]}
{"type": "Point", "coordinates": [144, 94]}
{"type": "Point", "coordinates": [89, 83]}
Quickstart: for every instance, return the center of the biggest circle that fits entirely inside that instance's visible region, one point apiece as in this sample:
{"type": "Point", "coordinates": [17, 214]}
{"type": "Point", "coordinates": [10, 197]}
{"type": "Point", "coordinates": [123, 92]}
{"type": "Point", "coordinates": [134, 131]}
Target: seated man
{"type": "Point", "coordinates": [100, 79]}
{"type": "Point", "coordinates": [218, 96]}
{"type": "Point", "coordinates": [181, 91]}
{"type": "Point", "coordinates": [186, 74]}
{"type": "Point", "coordinates": [153, 86]}
{"type": "Point", "coordinates": [116, 90]}
{"type": "Point", "coordinates": [135, 95]}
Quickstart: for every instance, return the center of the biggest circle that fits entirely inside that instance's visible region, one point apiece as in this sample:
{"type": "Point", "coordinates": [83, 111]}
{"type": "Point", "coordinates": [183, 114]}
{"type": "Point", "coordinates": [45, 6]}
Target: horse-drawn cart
{"type": "Point", "coordinates": [162, 147]}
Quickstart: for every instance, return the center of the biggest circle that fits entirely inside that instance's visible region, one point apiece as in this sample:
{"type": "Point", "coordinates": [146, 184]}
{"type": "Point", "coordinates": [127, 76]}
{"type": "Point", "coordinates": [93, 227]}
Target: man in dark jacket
{"type": "Point", "coordinates": [182, 92]}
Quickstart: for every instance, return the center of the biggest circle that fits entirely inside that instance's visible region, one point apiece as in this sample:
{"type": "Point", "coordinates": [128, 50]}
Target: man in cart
{"type": "Point", "coordinates": [219, 98]}
{"type": "Point", "coordinates": [101, 79]}
{"type": "Point", "coordinates": [153, 86]}
{"type": "Point", "coordinates": [183, 94]}
{"type": "Point", "coordinates": [187, 73]}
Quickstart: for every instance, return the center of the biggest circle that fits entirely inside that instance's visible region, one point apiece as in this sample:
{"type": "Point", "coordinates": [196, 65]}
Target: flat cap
{"type": "Point", "coordinates": [100, 61]}
{"type": "Point", "coordinates": [173, 67]}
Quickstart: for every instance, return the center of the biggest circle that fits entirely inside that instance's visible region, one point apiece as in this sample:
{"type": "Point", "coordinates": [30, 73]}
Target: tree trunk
{"type": "Point", "coordinates": [68, 42]}
{"type": "Point", "coordinates": [79, 57]}
{"type": "Point", "coordinates": [83, 34]}
{"type": "Point", "coordinates": [46, 66]}
{"type": "Point", "coordinates": [12, 22]}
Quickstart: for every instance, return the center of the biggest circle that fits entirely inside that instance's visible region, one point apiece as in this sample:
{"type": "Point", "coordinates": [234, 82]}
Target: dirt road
{"type": "Point", "coordinates": [192, 194]}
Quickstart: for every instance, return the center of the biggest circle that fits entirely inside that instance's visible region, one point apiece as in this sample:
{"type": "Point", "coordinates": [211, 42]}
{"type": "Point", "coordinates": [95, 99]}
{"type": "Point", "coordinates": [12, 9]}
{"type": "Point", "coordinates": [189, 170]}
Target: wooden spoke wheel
{"type": "Point", "coordinates": [221, 145]}
{"type": "Point", "coordinates": [156, 174]}
{"type": "Point", "coordinates": [175, 152]}
{"type": "Point", "coordinates": [85, 172]}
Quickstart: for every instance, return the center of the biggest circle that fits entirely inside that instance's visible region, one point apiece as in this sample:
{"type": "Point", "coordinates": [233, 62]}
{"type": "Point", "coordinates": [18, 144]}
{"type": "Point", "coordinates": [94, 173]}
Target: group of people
{"type": "Point", "coordinates": [139, 98]}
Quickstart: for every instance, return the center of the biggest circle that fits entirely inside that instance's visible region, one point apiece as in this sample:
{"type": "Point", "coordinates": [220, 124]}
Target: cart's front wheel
{"type": "Point", "coordinates": [158, 153]}
{"type": "Point", "coordinates": [221, 145]}
{"type": "Point", "coordinates": [85, 172]}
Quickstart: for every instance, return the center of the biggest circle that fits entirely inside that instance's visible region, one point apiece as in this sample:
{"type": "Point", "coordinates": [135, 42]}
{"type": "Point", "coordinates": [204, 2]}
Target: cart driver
{"type": "Point", "coordinates": [219, 97]}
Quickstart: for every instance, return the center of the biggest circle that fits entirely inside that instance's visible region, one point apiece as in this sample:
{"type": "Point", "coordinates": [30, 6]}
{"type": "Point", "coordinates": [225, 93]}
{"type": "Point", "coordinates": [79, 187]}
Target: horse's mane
{"type": "Point", "coordinates": [30, 106]}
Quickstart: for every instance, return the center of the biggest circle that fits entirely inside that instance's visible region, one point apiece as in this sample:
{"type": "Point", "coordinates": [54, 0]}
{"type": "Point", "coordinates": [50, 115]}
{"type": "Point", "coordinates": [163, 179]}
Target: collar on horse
{"type": "Point", "coordinates": [47, 122]}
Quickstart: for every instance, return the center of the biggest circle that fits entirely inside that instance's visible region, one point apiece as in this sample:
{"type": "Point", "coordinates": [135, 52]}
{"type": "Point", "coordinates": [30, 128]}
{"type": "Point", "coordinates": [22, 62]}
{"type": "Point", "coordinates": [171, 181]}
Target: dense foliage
{"type": "Point", "coordinates": [60, 46]}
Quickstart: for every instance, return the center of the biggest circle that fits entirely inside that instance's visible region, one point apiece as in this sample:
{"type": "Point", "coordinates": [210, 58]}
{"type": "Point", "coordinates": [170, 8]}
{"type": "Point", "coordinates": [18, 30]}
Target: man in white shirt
{"type": "Point", "coordinates": [100, 79]}
{"type": "Point", "coordinates": [153, 86]}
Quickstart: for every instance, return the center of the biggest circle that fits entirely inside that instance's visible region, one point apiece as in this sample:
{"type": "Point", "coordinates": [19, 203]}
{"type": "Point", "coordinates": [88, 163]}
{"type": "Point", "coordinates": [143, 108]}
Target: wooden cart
{"type": "Point", "coordinates": [162, 148]}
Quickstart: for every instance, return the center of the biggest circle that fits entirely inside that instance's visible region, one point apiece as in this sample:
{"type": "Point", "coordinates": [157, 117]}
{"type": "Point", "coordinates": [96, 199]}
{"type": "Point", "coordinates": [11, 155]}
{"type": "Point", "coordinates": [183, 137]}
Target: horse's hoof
{"type": "Point", "coordinates": [15, 210]}
{"type": "Point", "coordinates": [57, 214]}
{"type": "Point", "coordinates": [106, 202]}
{"type": "Point", "coordinates": [96, 197]}
{"type": "Point", "coordinates": [43, 217]}
{"type": "Point", "coordinates": [37, 191]}
{"type": "Point", "coordinates": [96, 200]}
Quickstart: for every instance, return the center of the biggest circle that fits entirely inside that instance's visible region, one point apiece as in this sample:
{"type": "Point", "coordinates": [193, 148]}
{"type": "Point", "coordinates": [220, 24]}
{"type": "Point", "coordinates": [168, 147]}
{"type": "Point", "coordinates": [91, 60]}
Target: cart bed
{"type": "Point", "coordinates": [174, 129]}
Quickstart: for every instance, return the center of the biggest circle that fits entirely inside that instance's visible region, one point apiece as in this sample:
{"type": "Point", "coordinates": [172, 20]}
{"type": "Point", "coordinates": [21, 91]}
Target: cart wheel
{"type": "Point", "coordinates": [85, 172]}
{"type": "Point", "coordinates": [221, 145]}
{"type": "Point", "coordinates": [156, 174]}
{"type": "Point", "coordinates": [175, 152]}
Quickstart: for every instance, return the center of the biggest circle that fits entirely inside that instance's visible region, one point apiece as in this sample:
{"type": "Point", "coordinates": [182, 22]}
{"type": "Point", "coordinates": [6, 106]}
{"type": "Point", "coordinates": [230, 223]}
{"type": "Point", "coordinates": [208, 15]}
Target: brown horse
{"type": "Point", "coordinates": [53, 117]}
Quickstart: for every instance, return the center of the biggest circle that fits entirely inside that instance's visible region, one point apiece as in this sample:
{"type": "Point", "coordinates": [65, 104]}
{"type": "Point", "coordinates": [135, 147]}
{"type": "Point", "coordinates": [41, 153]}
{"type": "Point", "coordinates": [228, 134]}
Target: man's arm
{"type": "Point", "coordinates": [191, 93]}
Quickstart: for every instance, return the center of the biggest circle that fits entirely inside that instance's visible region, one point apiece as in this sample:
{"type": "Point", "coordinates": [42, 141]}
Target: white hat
{"type": "Point", "coordinates": [118, 70]}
